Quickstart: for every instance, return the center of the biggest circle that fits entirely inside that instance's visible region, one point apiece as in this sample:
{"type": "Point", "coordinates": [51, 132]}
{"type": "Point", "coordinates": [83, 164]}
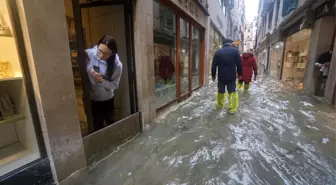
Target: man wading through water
{"type": "Point", "coordinates": [228, 61]}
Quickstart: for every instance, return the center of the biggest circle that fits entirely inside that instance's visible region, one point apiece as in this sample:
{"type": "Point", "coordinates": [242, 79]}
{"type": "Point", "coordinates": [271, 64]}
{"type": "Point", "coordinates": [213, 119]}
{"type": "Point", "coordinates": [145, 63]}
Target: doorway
{"type": "Point", "coordinates": [89, 21]}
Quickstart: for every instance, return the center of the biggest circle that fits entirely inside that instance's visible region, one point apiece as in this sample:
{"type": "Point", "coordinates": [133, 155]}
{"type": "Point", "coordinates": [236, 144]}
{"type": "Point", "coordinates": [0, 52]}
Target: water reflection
{"type": "Point", "coordinates": [279, 136]}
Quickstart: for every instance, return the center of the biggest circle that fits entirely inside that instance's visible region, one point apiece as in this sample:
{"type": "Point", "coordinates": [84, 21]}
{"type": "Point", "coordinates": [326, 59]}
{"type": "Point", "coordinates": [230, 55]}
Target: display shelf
{"type": "Point", "coordinates": [10, 79]}
{"type": "Point", "coordinates": [10, 150]}
{"type": "Point", "coordinates": [12, 119]}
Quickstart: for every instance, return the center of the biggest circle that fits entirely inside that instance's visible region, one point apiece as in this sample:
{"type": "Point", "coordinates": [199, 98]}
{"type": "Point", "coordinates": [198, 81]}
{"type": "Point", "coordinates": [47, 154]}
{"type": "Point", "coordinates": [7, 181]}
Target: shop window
{"type": "Point", "coordinates": [184, 56]}
{"type": "Point", "coordinates": [164, 19]}
{"type": "Point", "coordinates": [295, 60]}
{"type": "Point", "coordinates": [196, 63]}
{"type": "Point", "coordinates": [164, 55]}
{"type": "Point", "coordinates": [18, 142]}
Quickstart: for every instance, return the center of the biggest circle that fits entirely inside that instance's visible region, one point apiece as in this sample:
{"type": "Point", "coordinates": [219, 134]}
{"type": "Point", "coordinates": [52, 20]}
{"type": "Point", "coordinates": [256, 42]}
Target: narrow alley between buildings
{"type": "Point", "coordinates": [279, 136]}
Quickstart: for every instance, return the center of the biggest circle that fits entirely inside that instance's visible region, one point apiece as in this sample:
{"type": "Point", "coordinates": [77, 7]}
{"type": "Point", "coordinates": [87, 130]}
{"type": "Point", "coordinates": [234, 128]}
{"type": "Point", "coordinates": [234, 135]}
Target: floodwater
{"type": "Point", "coordinates": [279, 136]}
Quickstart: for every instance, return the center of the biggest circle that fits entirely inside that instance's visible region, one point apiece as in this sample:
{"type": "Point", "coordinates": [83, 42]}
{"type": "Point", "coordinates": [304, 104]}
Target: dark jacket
{"type": "Point", "coordinates": [249, 66]}
{"type": "Point", "coordinates": [228, 62]}
{"type": "Point", "coordinates": [324, 57]}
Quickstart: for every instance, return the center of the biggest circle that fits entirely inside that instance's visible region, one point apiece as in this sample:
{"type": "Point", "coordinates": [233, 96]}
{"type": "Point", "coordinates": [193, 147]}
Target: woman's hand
{"type": "Point", "coordinates": [97, 76]}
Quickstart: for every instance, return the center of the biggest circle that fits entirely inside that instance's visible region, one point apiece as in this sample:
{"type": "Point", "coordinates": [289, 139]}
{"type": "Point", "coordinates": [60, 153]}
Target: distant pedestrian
{"type": "Point", "coordinates": [228, 62]}
{"type": "Point", "coordinates": [104, 69]}
{"type": "Point", "coordinates": [249, 68]}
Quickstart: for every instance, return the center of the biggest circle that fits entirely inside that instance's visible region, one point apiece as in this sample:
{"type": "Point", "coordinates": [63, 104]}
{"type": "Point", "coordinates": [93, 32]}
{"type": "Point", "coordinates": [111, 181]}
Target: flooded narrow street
{"type": "Point", "coordinates": [279, 136]}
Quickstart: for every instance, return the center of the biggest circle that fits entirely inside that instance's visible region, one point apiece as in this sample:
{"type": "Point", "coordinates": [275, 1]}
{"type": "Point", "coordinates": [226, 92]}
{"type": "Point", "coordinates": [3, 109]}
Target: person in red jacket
{"type": "Point", "coordinates": [249, 67]}
{"type": "Point", "coordinates": [166, 68]}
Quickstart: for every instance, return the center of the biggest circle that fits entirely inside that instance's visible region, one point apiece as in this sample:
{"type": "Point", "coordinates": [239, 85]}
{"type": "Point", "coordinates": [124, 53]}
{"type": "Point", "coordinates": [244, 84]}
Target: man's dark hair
{"type": "Point", "coordinates": [227, 41]}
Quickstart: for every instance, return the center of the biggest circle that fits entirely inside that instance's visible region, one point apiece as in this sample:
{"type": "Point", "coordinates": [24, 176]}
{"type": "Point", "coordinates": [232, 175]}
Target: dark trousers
{"type": "Point", "coordinates": [229, 86]}
{"type": "Point", "coordinates": [102, 111]}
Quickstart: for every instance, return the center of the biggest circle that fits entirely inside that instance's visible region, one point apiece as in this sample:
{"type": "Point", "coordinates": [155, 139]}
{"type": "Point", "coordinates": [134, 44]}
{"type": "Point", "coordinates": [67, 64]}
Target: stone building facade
{"type": "Point", "coordinates": [290, 38]}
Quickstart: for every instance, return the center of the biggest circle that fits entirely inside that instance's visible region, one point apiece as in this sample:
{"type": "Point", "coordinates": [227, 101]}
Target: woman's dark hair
{"type": "Point", "coordinates": [111, 43]}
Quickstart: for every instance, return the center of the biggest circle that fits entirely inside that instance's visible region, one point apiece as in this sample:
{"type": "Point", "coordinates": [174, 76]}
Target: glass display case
{"type": "Point", "coordinates": [18, 142]}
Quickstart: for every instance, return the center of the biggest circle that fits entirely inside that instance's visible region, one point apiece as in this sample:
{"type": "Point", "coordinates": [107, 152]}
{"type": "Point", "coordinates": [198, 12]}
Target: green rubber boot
{"type": "Point", "coordinates": [230, 101]}
{"type": "Point", "coordinates": [247, 86]}
{"type": "Point", "coordinates": [240, 86]}
{"type": "Point", "coordinates": [235, 102]}
{"type": "Point", "coordinates": [220, 100]}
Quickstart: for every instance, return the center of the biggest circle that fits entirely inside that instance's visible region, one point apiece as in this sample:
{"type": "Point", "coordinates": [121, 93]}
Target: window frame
{"type": "Point", "coordinates": [192, 23]}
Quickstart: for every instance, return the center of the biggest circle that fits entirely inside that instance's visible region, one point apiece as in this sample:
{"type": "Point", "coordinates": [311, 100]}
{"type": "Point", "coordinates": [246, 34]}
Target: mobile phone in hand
{"type": "Point", "coordinates": [96, 68]}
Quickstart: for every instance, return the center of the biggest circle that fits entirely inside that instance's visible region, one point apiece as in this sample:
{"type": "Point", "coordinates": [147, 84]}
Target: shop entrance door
{"type": "Point", "coordinates": [93, 20]}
